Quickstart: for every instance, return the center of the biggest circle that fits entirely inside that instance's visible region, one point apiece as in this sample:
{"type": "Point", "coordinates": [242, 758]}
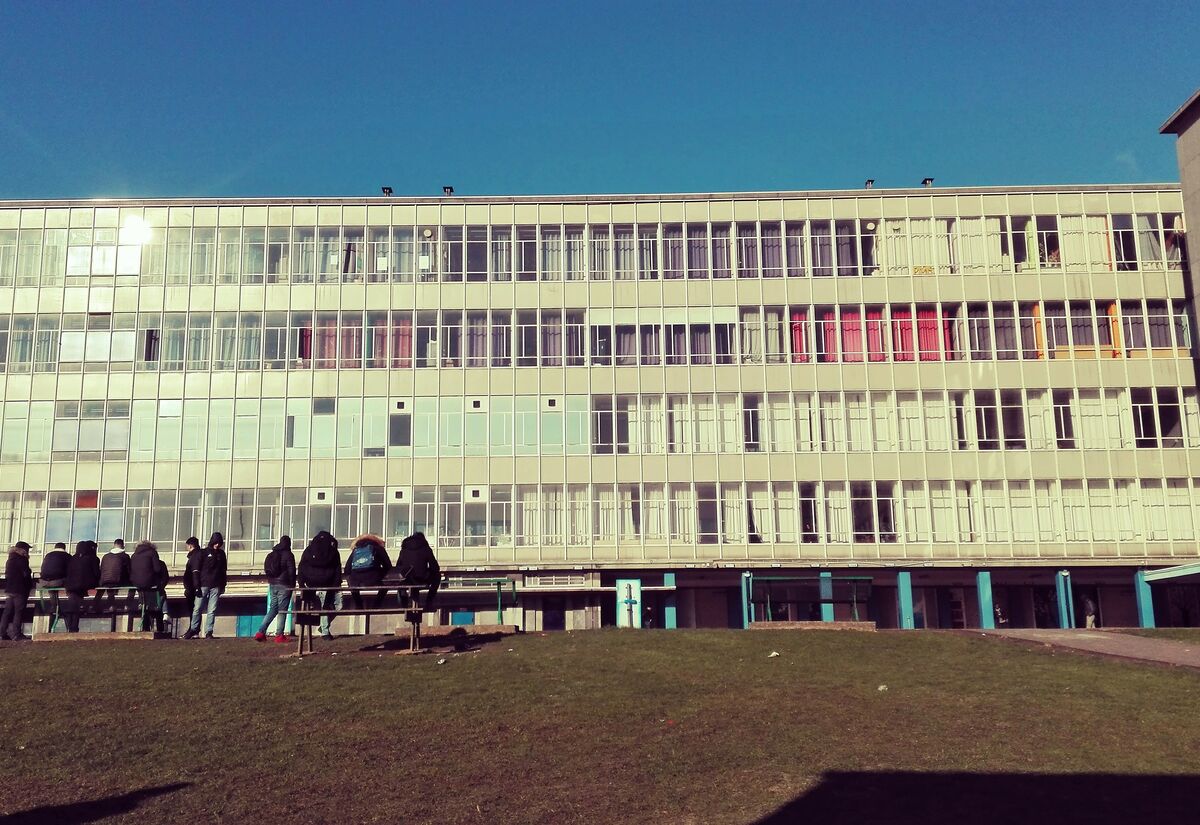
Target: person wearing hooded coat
{"type": "Point", "coordinates": [18, 582]}
{"type": "Point", "coordinates": [280, 569]}
{"type": "Point", "coordinates": [114, 574]}
{"type": "Point", "coordinates": [189, 572]}
{"type": "Point", "coordinates": [210, 579]}
{"type": "Point", "coordinates": [83, 574]}
{"type": "Point", "coordinates": [321, 567]}
{"type": "Point", "coordinates": [417, 564]}
{"type": "Point", "coordinates": [143, 574]}
{"type": "Point", "coordinates": [54, 575]}
{"type": "Point", "coordinates": [366, 565]}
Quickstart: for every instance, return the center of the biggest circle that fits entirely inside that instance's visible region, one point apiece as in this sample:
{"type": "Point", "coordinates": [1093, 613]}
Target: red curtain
{"type": "Point", "coordinates": [829, 336]}
{"type": "Point", "coordinates": [351, 347]}
{"type": "Point", "coordinates": [379, 342]}
{"type": "Point", "coordinates": [800, 336]}
{"type": "Point", "coordinates": [852, 335]}
{"type": "Point", "coordinates": [876, 349]}
{"type": "Point", "coordinates": [927, 334]}
{"type": "Point", "coordinates": [401, 342]}
{"type": "Point", "coordinates": [948, 335]}
{"type": "Point", "coordinates": [902, 334]}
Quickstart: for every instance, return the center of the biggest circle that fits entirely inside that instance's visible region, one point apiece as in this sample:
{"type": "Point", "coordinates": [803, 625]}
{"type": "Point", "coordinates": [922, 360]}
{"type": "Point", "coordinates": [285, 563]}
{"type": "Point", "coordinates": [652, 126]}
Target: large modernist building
{"type": "Point", "coordinates": [929, 407]}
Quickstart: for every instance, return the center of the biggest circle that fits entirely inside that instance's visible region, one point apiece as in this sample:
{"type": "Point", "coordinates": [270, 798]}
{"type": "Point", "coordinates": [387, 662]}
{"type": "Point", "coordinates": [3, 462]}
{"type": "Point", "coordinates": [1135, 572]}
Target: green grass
{"type": "Point", "coordinates": [601, 726]}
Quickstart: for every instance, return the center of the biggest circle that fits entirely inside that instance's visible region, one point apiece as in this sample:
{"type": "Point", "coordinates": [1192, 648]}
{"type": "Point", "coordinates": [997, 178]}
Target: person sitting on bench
{"type": "Point", "coordinates": [417, 564]}
{"type": "Point", "coordinates": [366, 566]}
{"type": "Point", "coordinates": [143, 574]}
{"type": "Point", "coordinates": [321, 567]}
{"type": "Point", "coordinates": [83, 574]}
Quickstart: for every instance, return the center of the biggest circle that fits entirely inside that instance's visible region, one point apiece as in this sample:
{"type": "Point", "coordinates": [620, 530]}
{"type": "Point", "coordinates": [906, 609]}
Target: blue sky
{"type": "Point", "coordinates": [208, 99]}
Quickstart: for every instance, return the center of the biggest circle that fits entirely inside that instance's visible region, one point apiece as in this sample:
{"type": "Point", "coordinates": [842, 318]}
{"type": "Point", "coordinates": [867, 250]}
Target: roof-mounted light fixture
{"type": "Point", "coordinates": [387, 191]}
{"type": "Point", "coordinates": [870, 184]}
{"type": "Point", "coordinates": [927, 182]}
{"type": "Point", "coordinates": [447, 190]}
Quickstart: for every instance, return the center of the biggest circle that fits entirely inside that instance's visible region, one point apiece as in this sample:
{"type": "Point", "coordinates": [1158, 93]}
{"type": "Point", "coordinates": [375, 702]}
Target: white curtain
{"type": "Point", "coordinates": [1090, 432]}
{"type": "Point", "coordinates": [837, 513]}
{"type": "Point", "coordinates": [833, 429]}
{"type": "Point", "coordinates": [528, 515]}
{"type": "Point", "coordinates": [1149, 242]}
{"type": "Point", "coordinates": [578, 509]}
{"type": "Point", "coordinates": [972, 245]}
{"type": "Point", "coordinates": [679, 424]}
{"type": "Point", "coordinates": [1041, 419]}
{"type": "Point", "coordinates": [1179, 510]}
{"type": "Point", "coordinates": [654, 513]}
{"type": "Point", "coordinates": [923, 258]}
{"type": "Point", "coordinates": [1024, 524]}
{"type": "Point", "coordinates": [995, 511]}
{"type": "Point", "coordinates": [858, 421]}
{"type": "Point", "coordinates": [941, 506]}
{"type": "Point", "coordinates": [1099, 242]}
{"type": "Point", "coordinates": [1049, 513]}
{"type": "Point", "coordinates": [730, 416]}
{"type": "Point", "coordinates": [1102, 515]}
{"type": "Point", "coordinates": [1074, 247]}
{"type": "Point", "coordinates": [1154, 515]}
{"type": "Point", "coordinates": [553, 516]}
{"type": "Point", "coordinates": [916, 511]}
{"type": "Point", "coordinates": [781, 434]}
{"type": "Point", "coordinates": [732, 509]}
{"type": "Point", "coordinates": [604, 521]}
{"type": "Point", "coordinates": [651, 413]}
{"type": "Point", "coordinates": [806, 435]}
{"type": "Point", "coordinates": [908, 414]}
{"type": "Point", "coordinates": [683, 514]}
{"type": "Point", "coordinates": [628, 517]}
{"type": "Point", "coordinates": [1191, 418]}
{"type": "Point", "coordinates": [894, 247]}
{"type": "Point", "coordinates": [937, 421]}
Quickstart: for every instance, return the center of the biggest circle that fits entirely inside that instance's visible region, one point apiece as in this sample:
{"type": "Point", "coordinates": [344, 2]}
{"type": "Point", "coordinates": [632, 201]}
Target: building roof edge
{"type": "Point", "coordinates": [376, 200]}
{"type": "Point", "coordinates": [1168, 127]}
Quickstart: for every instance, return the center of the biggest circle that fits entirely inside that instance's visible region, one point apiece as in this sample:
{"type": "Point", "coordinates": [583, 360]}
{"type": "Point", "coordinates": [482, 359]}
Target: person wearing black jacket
{"type": "Point", "coordinates": [162, 577]}
{"type": "Point", "coordinates": [280, 569]}
{"type": "Point", "coordinates": [366, 565]}
{"type": "Point", "coordinates": [54, 575]}
{"type": "Point", "coordinates": [143, 574]}
{"type": "Point", "coordinates": [417, 564]}
{"type": "Point", "coordinates": [189, 573]}
{"type": "Point", "coordinates": [83, 574]}
{"type": "Point", "coordinates": [321, 567]}
{"type": "Point", "coordinates": [209, 579]}
{"type": "Point", "coordinates": [114, 574]}
{"type": "Point", "coordinates": [18, 581]}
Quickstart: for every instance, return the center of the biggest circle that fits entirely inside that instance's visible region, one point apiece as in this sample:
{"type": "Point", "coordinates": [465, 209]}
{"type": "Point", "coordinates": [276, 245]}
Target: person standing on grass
{"type": "Point", "coordinates": [18, 581]}
{"type": "Point", "coordinates": [280, 568]}
{"type": "Point", "coordinates": [189, 573]}
{"type": "Point", "coordinates": [211, 574]}
{"type": "Point", "coordinates": [114, 573]}
{"type": "Point", "coordinates": [321, 567]}
{"type": "Point", "coordinates": [54, 573]}
{"type": "Point", "coordinates": [143, 574]}
{"type": "Point", "coordinates": [83, 574]}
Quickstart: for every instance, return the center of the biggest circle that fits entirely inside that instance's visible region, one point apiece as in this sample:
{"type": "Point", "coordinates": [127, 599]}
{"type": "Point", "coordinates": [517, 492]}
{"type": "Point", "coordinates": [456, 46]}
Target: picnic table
{"type": "Point", "coordinates": [307, 610]}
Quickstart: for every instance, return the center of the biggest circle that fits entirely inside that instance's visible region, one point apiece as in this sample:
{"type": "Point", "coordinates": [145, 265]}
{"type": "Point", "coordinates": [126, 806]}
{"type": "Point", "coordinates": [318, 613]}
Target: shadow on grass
{"type": "Point", "coordinates": [91, 811]}
{"type": "Point", "coordinates": [993, 799]}
{"type": "Point", "coordinates": [458, 639]}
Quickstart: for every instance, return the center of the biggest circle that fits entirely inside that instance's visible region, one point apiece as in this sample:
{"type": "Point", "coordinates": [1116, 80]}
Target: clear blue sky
{"type": "Point", "coordinates": [316, 98]}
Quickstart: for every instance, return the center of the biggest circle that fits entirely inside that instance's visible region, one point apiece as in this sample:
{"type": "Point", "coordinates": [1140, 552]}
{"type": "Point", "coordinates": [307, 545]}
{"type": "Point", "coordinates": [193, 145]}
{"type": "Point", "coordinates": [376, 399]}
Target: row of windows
{"type": "Point", "coordinates": [744, 249]}
{"type": "Point", "coordinates": [529, 515]}
{"type": "Point", "coordinates": [403, 339]}
{"type": "Point", "coordinates": [273, 428]}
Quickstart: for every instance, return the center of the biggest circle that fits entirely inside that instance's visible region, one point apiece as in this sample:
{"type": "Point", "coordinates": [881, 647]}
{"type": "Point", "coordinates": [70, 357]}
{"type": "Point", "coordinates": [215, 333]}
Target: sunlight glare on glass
{"type": "Point", "coordinates": [135, 231]}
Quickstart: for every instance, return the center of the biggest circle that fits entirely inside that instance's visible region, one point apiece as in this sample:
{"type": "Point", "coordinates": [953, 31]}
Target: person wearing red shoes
{"type": "Point", "coordinates": [280, 568]}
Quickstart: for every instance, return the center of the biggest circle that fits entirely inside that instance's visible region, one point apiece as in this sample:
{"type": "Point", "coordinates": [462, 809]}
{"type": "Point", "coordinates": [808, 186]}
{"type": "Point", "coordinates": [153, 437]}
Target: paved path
{"type": "Point", "coordinates": [1109, 643]}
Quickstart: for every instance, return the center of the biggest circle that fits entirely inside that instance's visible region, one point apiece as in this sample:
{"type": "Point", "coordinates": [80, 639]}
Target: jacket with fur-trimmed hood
{"type": "Point", "coordinates": [212, 567]}
{"type": "Point", "coordinates": [18, 578]}
{"type": "Point", "coordinates": [321, 564]}
{"type": "Point", "coordinates": [363, 570]}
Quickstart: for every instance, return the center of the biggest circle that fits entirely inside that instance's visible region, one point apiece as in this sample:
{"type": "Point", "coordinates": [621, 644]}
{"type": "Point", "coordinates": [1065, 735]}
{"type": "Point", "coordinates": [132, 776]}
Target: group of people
{"type": "Point", "coordinates": [320, 575]}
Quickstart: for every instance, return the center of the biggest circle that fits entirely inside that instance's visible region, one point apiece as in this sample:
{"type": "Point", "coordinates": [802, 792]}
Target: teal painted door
{"type": "Point", "coordinates": [248, 625]}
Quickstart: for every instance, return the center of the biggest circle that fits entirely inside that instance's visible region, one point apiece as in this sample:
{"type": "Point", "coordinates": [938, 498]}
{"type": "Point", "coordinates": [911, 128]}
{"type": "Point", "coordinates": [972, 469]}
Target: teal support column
{"type": "Point", "coordinates": [826, 587]}
{"type": "Point", "coordinates": [670, 616]}
{"type": "Point", "coordinates": [904, 600]}
{"type": "Point", "coordinates": [747, 591]}
{"type": "Point", "coordinates": [983, 587]}
{"type": "Point", "coordinates": [1145, 599]}
{"type": "Point", "coordinates": [1066, 607]}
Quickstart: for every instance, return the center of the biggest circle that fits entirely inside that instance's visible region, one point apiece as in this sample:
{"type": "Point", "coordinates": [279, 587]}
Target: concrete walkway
{"type": "Point", "coordinates": [1110, 643]}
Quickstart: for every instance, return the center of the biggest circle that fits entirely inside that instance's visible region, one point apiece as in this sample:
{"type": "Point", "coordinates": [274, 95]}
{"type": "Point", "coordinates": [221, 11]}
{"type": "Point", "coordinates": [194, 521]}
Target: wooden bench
{"type": "Point", "coordinates": [312, 612]}
{"type": "Point", "coordinates": [52, 607]}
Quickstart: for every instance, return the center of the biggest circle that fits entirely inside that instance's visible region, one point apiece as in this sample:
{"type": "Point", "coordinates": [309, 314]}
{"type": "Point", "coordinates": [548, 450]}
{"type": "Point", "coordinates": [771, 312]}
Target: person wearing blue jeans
{"type": "Point", "coordinates": [211, 576]}
{"type": "Point", "coordinates": [280, 569]}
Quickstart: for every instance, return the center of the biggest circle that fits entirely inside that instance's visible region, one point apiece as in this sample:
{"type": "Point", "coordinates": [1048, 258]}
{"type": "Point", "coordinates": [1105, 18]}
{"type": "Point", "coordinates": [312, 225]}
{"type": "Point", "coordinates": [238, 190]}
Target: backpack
{"type": "Point", "coordinates": [362, 558]}
{"type": "Point", "coordinates": [273, 566]}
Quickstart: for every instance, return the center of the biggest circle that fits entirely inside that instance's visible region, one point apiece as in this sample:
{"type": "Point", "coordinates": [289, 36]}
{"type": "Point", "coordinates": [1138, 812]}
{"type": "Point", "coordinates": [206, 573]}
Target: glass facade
{"type": "Point", "coordinates": [982, 374]}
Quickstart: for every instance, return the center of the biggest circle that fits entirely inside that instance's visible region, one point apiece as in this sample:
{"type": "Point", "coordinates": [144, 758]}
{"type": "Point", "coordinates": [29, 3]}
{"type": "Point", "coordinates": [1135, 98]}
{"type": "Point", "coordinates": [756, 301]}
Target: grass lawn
{"type": "Point", "coordinates": [600, 726]}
